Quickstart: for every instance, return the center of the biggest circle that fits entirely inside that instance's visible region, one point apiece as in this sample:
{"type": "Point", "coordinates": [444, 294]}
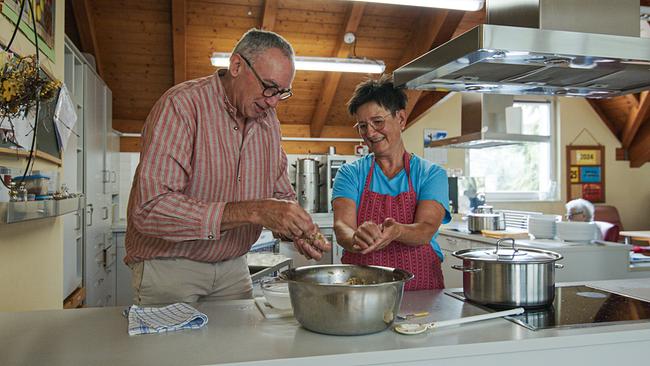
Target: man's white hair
{"type": "Point", "coordinates": [580, 206]}
{"type": "Point", "coordinates": [256, 41]}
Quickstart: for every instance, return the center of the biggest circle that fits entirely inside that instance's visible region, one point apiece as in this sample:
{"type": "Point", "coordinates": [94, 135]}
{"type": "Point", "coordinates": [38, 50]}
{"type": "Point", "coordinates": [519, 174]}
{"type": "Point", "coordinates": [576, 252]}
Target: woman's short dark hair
{"type": "Point", "coordinates": [381, 91]}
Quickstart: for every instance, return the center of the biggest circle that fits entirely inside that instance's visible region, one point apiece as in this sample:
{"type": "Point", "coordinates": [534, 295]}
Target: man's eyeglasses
{"type": "Point", "coordinates": [269, 90]}
{"type": "Point", "coordinates": [378, 123]}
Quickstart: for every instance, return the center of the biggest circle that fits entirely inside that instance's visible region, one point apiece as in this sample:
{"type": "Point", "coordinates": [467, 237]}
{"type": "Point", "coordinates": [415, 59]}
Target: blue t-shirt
{"type": "Point", "coordinates": [429, 182]}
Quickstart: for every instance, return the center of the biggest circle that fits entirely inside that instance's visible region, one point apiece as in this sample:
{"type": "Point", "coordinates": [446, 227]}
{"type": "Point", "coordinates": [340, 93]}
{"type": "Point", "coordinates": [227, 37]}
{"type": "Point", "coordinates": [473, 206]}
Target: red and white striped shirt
{"type": "Point", "coordinates": [194, 160]}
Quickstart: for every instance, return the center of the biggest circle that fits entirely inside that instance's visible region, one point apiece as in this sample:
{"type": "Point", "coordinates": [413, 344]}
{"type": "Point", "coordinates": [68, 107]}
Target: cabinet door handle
{"type": "Point", "coordinates": [77, 220]}
{"type": "Point", "coordinates": [105, 217]}
{"type": "Point", "coordinates": [89, 211]}
{"type": "Point", "coordinates": [113, 176]}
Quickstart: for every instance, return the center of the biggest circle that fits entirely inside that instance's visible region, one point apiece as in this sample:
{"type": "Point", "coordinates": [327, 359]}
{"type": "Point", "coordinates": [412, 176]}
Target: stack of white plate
{"type": "Point", "coordinates": [576, 231]}
{"type": "Point", "coordinates": [542, 226]}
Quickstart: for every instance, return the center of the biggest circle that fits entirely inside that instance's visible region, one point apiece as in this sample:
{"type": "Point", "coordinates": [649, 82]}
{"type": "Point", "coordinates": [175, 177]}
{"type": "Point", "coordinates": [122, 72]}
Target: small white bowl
{"type": "Point", "coordinates": [277, 294]}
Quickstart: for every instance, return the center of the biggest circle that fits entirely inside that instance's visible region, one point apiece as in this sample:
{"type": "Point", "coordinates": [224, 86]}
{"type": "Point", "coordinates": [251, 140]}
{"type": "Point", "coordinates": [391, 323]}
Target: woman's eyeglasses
{"type": "Point", "coordinates": [378, 123]}
{"type": "Point", "coordinates": [269, 90]}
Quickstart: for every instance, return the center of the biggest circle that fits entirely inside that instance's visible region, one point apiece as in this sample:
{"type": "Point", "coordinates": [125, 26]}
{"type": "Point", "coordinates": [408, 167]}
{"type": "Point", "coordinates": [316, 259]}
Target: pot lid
{"type": "Point", "coordinates": [508, 255]}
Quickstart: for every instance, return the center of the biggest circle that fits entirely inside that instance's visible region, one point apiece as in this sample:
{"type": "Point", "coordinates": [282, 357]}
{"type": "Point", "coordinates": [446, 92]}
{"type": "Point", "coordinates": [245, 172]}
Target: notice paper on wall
{"type": "Point", "coordinates": [436, 155]}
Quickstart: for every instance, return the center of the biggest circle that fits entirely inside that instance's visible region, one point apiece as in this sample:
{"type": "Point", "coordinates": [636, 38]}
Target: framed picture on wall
{"type": "Point", "coordinates": [44, 14]}
{"type": "Point", "coordinates": [586, 172]}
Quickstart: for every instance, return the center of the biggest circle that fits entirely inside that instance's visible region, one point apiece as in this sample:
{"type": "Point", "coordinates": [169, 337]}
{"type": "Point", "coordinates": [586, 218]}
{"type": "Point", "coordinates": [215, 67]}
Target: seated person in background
{"type": "Point", "coordinates": [583, 210]}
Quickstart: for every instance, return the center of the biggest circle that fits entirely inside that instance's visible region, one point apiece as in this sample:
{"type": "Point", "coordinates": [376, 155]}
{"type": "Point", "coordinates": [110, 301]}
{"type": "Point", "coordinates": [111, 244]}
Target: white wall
{"type": "Point", "coordinates": [31, 253]}
{"type": "Point", "coordinates": [628, 189]}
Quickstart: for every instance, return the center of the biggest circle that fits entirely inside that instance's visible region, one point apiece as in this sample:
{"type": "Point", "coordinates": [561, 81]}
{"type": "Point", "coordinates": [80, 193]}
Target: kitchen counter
{"type": "Point", "coordinates": [238, 333]}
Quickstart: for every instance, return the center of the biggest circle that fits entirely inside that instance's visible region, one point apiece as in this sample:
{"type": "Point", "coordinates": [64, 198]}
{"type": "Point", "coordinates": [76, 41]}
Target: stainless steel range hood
{"type": "Point", "coordinates": [588, 48]}
{"type": "Point", "coordinates": [483, 124]}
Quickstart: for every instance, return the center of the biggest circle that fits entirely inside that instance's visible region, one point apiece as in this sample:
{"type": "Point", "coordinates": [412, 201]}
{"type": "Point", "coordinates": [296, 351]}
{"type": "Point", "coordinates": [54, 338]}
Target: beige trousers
{"type": "Point", "coordinates": [170, 280]}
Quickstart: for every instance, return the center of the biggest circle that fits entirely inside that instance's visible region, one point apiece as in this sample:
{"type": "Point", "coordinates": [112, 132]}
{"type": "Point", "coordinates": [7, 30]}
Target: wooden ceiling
{"type": "Point", "coordinates": [143, 47]}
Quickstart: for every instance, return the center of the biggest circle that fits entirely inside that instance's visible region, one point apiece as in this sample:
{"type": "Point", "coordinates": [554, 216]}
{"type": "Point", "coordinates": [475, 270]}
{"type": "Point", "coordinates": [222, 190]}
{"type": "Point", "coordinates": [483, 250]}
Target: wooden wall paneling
{"type": "Point", "coordinates": [270, 12]}
{"type": "Point", "coordinates": [85, 23]}
{"type": "Point", "coordinates": [426, 101]}
{"type": "Point", "coordinates": [130, 144]}
{"type": "Point", "coordinates": [128, 126]}
{"type": "Point", "coordinates": [318, 147]}
{"type": "Point", "coordinates": [635, 119]}
{"type": "Point", "coordinates": [595, 105]}
{"type": "Point", "coordinates": [639, 151]}
{"type": "Point", "coordinates": [178, 40]}
{"type": "Point", "coordinates": [434, 28]}
{"type": "Point", "coordinates": [303, 130]}
{"type": "Point", "coordinates": [331, 83]}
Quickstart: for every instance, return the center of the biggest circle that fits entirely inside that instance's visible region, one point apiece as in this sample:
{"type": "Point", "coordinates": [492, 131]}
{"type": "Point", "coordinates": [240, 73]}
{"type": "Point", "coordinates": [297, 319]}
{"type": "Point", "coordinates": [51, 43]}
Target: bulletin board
{"type": "Point", "coordinates": [586, 172]}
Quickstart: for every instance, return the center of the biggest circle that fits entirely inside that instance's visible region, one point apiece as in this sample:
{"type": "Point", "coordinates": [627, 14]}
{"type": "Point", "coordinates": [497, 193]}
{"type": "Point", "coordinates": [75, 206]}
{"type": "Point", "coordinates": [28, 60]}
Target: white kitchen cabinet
{"type": "Point", "coordinates": [450, 244]}
{"type": "Point", "coordinates": [72, 177]}
{"type": "Point", "coordinates": [124, 289]}
{"type": "Point", "coordinates": [94, 153]}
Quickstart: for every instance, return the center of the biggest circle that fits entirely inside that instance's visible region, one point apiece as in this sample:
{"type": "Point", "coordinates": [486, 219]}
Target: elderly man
{"type": "Point", "coordinates": [212, 173]}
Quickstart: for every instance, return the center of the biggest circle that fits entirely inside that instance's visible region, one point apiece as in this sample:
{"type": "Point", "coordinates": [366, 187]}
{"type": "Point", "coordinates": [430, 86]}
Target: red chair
{"type": "Point", "coordinates": [608, 221]}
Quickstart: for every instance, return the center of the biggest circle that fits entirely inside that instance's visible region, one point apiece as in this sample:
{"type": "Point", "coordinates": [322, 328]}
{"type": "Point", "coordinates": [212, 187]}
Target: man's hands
{"type": "Point", "coordinates": [370, 237]}
{"type": "Point", "coordinates": [312, 246]}
{"type": "Point", "coordinates": [291, 221]}
{"type": "Point", "coordinates": [286, 218]}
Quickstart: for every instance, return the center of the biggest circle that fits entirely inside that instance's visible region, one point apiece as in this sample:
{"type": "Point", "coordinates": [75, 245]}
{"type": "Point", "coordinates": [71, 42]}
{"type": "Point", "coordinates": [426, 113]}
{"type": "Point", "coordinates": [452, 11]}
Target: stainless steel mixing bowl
{"type": "Point", "coordinates": [325, 301]}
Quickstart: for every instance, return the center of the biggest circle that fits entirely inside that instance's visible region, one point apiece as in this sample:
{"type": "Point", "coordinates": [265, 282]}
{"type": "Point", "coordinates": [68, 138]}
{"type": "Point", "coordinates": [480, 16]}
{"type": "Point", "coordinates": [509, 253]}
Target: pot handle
{"type": "Point", "coordinates": [559, 265]}
{"type": "Point", "coordinates": [466, 269]}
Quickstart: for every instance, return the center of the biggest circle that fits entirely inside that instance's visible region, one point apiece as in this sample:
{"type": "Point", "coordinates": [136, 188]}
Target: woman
{"type": "Point", "coordinates": [389, 205]}
{"type": "Point", "coordinates": [583, 211]}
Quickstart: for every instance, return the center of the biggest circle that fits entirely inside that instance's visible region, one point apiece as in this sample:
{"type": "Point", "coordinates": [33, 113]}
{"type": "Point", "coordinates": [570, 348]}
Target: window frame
{"type": "Point", "coordinates": [554, 167]}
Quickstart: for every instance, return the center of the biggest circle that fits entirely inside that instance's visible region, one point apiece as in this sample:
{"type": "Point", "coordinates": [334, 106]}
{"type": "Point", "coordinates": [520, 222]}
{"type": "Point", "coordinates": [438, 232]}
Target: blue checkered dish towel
{"type": "Point", "coordinates": [146, 320]}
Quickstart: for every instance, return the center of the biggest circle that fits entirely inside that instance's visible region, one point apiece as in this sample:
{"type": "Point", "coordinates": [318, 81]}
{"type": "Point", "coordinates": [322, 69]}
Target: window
{"type": "Point", "coordinates": [526, 171]}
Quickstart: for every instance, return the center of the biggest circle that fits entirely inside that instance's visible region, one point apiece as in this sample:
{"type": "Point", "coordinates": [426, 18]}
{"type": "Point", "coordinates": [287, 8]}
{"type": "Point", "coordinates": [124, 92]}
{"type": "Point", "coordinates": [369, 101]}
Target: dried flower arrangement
{"type": "Point", "coordinates": [20, 85]}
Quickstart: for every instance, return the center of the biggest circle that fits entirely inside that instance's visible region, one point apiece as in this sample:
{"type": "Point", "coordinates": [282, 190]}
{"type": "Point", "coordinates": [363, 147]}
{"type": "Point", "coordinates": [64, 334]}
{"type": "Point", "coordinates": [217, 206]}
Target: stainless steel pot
{"type": "Point", "coordinates": [308, 184]}
{"type": "Point", "coordinates": [508, 277]}
{"type": "Point", "coordinates": [485, 219]}
{"type": "Point", "coordinates": [323, 301]}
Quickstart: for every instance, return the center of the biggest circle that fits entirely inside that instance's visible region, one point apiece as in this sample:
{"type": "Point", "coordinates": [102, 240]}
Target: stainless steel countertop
{"type": "Point", "coordinates": [237, 332]}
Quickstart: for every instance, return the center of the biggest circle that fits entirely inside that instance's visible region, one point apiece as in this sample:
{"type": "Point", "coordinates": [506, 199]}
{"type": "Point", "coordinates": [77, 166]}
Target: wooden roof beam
{"type": "Point", "coordinates": [639, 152]}
{"type": "Point", "coordinates": [426, 101]}
{"type": "Point", "coordinates": [178, 40]}
{"type": "Point", "coordinates": [270, 13]}
{"type": "Point", "coordinates": [332, 79]}
{"type": "Point", "coordinates": [434, 28]}
{"type": "Point", "coordinates": [128, 125]}
{"type": "Point", "coordinates": [86, 26]}
{"type": "Point", "coordinates": [603, 117]}
{"type": "Point", "coordinates": [636, 117]}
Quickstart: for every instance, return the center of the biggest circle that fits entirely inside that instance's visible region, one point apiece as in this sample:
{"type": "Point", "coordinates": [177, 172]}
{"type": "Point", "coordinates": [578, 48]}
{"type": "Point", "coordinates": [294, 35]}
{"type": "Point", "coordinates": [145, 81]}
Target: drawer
{"type": "Point", "coordinates": [453, 244]}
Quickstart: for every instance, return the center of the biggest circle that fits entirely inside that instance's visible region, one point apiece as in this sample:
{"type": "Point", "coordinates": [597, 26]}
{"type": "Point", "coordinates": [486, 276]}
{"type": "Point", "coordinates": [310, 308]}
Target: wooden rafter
{"type": "Point", "coordinates": [426, 101]}
{"type": "Point", "coordinates": [332, 79]}
{"type": "Point", "coordinates": [636, 117]}
{"type": "Point", "coordinates": [433, 29]}
{"type": "Point", "coordinates": [270, 13]}
{"type": "Point", "coordinates": [595, 105]}
{"type": "Point", "coordinates": [128, 125]}
{"type": "Point", "coordinates": [84, 19]}
{"type": "Point", "coordinates": [178, 40]}
{"type": "Point", "coordinates": [639, 152]}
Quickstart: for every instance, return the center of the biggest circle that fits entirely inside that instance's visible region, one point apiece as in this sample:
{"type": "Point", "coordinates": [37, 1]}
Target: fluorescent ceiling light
{"type": "Point", "coordinates": [365, 66]}
{"type": "Point", "coordinates": [468, 5]}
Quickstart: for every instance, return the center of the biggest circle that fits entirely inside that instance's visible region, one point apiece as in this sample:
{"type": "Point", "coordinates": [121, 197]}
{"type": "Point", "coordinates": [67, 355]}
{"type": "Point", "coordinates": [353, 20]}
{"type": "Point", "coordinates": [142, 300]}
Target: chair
{"type": "Point", "coordinates": [608, 214]}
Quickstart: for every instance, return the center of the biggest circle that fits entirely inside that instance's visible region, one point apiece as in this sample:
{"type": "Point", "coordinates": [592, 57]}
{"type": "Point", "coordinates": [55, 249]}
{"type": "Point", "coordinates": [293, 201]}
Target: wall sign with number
{"type": "Point", "coordinates": [586, 173]}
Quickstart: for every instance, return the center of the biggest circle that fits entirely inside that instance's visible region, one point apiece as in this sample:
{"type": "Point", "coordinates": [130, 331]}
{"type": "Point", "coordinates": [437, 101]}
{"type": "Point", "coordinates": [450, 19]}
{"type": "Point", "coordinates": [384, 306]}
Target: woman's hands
{"type": "Point", "coordinates": [370, 237]}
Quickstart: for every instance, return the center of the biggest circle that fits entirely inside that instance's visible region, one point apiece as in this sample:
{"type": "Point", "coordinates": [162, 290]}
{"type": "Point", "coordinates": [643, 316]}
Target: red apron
{"type": "Point", "coordinates": [420, 260]}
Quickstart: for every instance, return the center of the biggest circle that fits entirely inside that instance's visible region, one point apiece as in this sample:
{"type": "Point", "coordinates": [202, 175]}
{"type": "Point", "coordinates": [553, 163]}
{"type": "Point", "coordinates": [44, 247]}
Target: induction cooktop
{"type": "Point", "coordinates": [578, 306]}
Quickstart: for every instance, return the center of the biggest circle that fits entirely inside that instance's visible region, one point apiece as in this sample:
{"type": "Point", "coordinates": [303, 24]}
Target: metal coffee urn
{"type": "Point", "coordinates": [308, 184]}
